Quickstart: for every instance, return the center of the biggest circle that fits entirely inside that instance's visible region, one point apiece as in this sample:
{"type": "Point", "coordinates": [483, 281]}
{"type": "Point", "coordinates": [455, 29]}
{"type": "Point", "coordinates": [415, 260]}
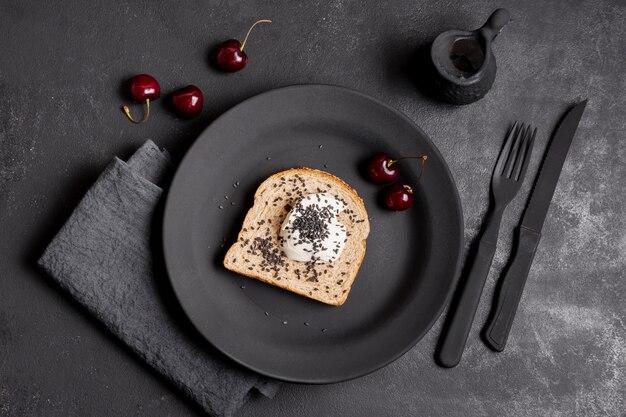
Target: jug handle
{"type": "Point", "coordinates": [495, 23]}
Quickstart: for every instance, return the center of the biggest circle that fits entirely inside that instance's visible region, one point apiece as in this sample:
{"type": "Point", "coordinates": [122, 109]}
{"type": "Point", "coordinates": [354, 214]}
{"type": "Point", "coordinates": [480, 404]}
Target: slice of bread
{"type": "Point", "coordinates": [257, 252]}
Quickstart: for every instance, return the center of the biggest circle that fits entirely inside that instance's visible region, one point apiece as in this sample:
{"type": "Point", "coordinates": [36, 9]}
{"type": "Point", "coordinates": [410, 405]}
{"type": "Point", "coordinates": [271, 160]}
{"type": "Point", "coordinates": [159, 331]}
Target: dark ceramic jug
{"type": "Point", "coordinates": [465, 67]}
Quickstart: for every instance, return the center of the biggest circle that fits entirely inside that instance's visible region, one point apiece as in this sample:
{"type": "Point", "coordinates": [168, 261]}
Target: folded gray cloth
{"type": "Point", "coordinates": [103, 256]}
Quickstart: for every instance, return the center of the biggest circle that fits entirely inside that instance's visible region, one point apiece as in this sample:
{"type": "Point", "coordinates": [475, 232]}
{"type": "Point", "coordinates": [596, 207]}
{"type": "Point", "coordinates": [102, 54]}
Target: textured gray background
{"type": "Point", "coordinates": [61, 71]}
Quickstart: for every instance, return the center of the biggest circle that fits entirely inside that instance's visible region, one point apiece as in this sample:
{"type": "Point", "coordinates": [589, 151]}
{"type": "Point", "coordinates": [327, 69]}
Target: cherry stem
{"type": "Point", "coordinates": [250, 30]}
{"type": "Point", "coordinates": [145, 115]}
{"type": "Point", "coordinates": [423, 158]}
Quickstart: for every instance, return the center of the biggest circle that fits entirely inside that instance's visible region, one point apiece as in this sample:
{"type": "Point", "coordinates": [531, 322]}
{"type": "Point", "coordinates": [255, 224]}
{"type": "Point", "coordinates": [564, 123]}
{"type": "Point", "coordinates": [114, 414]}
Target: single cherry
{"type": "Point", "coordinates": [381, 168]}
{"type": "Point", "coordinates": [143, 88]}
{"type": "Point", "coordinates": [399, 196]}
{"type": "Point", "coordinates": [230, 56]}
{"type": "Point", "coordinates": [188, 101]}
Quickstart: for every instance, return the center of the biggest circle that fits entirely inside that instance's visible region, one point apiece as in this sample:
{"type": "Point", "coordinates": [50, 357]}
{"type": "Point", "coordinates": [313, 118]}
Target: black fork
{"type": "Point", "coordinates": [506, 181]}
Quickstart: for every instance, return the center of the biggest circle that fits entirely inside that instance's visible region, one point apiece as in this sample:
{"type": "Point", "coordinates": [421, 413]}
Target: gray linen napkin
{"type": "Point", "coordinates": [103, 256]}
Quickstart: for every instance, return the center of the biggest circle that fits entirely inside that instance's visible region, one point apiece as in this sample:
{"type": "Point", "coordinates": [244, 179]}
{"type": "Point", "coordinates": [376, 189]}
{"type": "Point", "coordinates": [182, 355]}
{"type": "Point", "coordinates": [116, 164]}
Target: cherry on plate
{"type": "Point", "coordinates": [230, 56]}
{"type": "Point", "coordinates": [188, 101]}
{"type": "Point", "coordinates": [399, 196]}
{"type": "Point", "coordinates": [143, 89]}
{"type": "Point", "coordinates": [381, 168]}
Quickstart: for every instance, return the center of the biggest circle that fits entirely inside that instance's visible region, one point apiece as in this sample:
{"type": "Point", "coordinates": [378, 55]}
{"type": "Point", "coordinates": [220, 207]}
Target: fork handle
{"type": "Point", "coordinates": [510, 288]}
{"type": "Point", "coordinates": [461, 316]}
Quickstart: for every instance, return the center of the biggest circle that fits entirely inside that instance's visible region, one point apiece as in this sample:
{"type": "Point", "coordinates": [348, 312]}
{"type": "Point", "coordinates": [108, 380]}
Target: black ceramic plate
{"type": "Point", "coordinates": [411, 258]}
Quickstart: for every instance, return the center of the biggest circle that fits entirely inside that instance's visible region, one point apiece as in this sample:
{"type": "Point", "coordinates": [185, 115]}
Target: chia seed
{"type": "Point", "coordinates": [268, 251]}
{"type": "Point", "coordinates": [312, 223]}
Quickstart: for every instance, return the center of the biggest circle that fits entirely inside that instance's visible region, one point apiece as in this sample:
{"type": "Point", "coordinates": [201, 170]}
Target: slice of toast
{"type": "Point", "coordinates": [257, 252]}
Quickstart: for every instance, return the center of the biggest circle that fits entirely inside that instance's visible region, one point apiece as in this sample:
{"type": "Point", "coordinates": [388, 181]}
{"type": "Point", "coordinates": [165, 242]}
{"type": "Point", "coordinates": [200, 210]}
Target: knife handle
{"type": "Point", "coordinates": [510, 288]}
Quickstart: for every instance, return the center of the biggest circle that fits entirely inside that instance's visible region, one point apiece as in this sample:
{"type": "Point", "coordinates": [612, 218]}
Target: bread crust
{"type": "Point", "coordinates": [332, 287]}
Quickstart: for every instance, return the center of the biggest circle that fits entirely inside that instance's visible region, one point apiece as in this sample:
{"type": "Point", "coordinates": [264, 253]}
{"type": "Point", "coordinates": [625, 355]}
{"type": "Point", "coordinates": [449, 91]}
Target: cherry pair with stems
{"type": "Point", "coordinates": [381, 168]}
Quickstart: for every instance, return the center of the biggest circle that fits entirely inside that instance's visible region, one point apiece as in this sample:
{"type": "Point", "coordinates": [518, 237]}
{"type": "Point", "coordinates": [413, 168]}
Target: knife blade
{"type": "Point", "coordinates": [550, 171]}
{"type": "Point", "coordinates": [511, 283]}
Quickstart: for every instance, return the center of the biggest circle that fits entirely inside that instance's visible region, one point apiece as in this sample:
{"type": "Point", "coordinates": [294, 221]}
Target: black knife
{"type": "Point", "coordinates": [511, 284]}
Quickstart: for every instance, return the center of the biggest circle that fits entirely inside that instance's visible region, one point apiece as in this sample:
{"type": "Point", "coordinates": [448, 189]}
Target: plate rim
{"type": "Point", "coordinates": [418, 336]}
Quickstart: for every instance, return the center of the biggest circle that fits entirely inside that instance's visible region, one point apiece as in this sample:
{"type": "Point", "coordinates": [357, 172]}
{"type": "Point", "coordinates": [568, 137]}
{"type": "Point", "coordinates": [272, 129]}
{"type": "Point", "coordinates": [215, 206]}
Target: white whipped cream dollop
{"type": "Point", "coordinates": [311, 232]}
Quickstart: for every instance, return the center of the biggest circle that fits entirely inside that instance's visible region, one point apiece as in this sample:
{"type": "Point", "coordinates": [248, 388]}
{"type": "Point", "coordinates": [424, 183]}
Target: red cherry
{"type": "Point", "coordinates": [188, 101]}
{"type": "Point", "coordinates": [230, 56]}
{"type": "Point", "coordinates": [143, 88]}
{"type": "Point", "coordinates": [381, 168]}
{"type": "Point", "coordinates": [399, 196]}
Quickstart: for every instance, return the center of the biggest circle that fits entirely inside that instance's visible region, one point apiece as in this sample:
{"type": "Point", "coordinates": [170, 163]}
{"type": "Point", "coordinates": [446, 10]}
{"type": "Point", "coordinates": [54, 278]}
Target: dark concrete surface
{"type": "Point", "coordinates": [62, 67]}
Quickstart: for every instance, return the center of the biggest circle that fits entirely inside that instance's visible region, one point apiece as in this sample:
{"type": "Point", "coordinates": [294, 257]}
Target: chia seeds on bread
{"type": "Point", "coordinates": [257, 253]}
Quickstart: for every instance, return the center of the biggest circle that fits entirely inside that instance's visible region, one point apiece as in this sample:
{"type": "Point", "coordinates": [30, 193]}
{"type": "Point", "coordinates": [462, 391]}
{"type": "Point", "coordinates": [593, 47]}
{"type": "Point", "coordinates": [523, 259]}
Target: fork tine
{"type": "Point", "coordinates": [504, 153]}
{"type": "Point", "coordinates": [528, 153]}
{"type": "Point", "coordinates": [521, 154]}
{"type": "Point", "coordinates": [508, 169]}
